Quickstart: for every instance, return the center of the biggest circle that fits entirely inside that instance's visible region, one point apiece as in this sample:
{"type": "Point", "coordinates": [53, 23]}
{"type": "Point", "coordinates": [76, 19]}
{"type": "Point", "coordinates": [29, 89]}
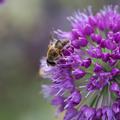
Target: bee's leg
{"type": "Point", "coordinates": [60, 53]}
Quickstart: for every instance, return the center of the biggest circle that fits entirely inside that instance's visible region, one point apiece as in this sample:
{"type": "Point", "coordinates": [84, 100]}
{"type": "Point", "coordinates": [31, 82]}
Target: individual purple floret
{"type": "Point", "coordinates": [85, 77]}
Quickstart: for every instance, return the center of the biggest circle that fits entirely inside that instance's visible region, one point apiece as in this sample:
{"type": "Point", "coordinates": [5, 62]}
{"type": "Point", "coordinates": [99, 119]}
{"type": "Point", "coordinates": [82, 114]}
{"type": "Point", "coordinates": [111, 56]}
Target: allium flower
{"type": "Point", "coordinates": [2, 1]}
{"type": "Point", "coordinates": [85, 82]}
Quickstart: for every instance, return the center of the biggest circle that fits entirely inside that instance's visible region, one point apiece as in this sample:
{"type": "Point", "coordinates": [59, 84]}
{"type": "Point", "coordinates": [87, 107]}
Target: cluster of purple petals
{"type": "Point", "coordinates": [2, 1]}
{"type": "Point", "coordinates": [90, 64]}
{"type": "Point", "coordinates": [88, 113]}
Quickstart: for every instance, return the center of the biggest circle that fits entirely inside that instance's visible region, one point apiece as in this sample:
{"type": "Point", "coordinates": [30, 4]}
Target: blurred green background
{"type": "Point", "coordinates": [25, 27]}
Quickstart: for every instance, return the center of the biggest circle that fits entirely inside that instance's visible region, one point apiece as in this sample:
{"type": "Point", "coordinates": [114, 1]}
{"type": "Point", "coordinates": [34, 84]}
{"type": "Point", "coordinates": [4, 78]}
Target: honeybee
{"type": "Point", "coordinates": [54, 51]}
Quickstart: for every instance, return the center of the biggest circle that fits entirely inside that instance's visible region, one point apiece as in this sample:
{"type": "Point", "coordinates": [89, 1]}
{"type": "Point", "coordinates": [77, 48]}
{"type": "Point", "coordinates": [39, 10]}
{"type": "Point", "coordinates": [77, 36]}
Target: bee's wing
{"type": "Point", "coordinates": [58, 44]}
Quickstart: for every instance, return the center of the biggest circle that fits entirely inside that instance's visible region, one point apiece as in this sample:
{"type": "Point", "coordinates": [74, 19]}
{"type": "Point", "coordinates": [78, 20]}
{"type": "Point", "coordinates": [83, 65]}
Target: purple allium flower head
{"type": "Point", "coordinates": [85, 80]}
{"type": "Point", "coordinates": [2, 1]}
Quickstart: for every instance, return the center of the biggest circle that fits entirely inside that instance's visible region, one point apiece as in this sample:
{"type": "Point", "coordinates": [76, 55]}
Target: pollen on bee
{"type": "Point", "coordinates": [41, 72]}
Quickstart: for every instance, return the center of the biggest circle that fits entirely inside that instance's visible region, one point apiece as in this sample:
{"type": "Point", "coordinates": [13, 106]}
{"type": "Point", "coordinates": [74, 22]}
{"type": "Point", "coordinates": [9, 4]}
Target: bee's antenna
{"type": "Point", "coordinates": [50, 37]}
